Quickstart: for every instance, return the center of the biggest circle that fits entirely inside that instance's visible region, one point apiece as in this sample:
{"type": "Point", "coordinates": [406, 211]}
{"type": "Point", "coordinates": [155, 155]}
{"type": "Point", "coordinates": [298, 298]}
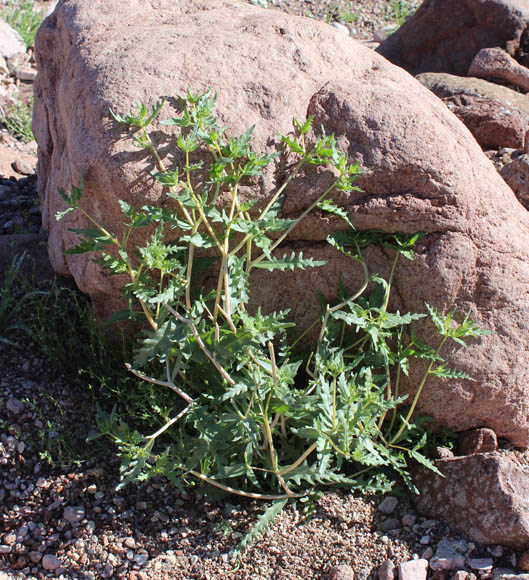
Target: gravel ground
{"type": "Point", "coordinates": [61, 516]}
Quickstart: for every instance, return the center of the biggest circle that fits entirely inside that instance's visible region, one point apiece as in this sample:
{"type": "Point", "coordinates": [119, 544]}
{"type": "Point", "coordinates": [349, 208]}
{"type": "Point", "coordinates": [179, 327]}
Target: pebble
{"type": "Point", "coordinates": [480, 563]}
{"type": "Point", "coordinates": [14, 406]}
{"type": "Point", "coordinates": [92, 489]}
{"type": "Point", "coordinates": [388, 505]}
{"type": "Point", "coordinates": [341, 572]}
{"type": "Point", "coordinates": [35, 556]}
{"type": "Point", "coordinates": [342, 28]}
{"type": "Point", "coordinates": [5, 549]}
{"type": "Point", "coordinates": [523, 562]}
{"type": "Point", "coordinates": [387, 570]}
{"type": "Point", "coordinates": [50, 562]}
{"type": "Point", "coordinates": [413, 570]}
{"type": "Point", "coordinates": [74, 514]}
{"type": "Point", "coordinates": [141, 558]}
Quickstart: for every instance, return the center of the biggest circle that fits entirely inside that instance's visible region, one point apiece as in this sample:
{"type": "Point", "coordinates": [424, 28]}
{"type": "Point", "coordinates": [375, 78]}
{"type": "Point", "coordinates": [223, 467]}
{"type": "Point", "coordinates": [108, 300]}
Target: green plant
{"type": "Point", "coordinates": [398, 11]}
{"type": "Point", "coordinates": [347, 15]}
{"type": "Point", "coordinates": [17, 119]}
{"type": "Point", "coordinates": [253, 414]}
{"type": "Point", "coordinates": [11, 304]}
{"type": "Point", "coordinates": [24, 17]}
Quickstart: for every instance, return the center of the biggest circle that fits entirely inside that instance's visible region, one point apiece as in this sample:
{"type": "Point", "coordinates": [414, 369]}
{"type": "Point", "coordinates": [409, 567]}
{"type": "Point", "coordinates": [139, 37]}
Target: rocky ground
{"type": "Point", "coordinates": [62, 517]}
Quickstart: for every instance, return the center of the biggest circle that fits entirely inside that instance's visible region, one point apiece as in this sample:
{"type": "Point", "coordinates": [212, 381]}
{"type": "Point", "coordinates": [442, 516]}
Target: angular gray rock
{"type": "Point", "coordinates": [424, 171]}
{"type": "Point", "coordinates": [445, 35]}
{"type": "Point", "coordinates": [498, 514]}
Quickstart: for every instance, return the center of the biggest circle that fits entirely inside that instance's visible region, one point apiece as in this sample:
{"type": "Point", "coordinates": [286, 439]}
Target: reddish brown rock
{"type": "Point", "coordinates": [496, 65]}
{"type": "Point", "coordinates": [477, 441]}
{"type": "Point", "coordinates": [516, 175]}
{"type": "Point", "coordinates": [445, 85]}
{"type": "Point", "coordinates": [341, 572]}
{"type": "Point", "coordinates": [493, 125]}
{"type": "Point", "coordinates": [445, 35]}
{"type": "Point", "coordinates": [424, 170]}
{"type": "Point", "coordinates": [497, 514]}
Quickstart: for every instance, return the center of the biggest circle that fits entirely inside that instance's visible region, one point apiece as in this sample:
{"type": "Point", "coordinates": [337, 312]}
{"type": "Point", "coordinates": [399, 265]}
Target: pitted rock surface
{"type": "Point", "coordinates": [446, 35]}
{"type": "Point", "coordinates": [424, 170]}
{"type": "Point", "coordinates": [498, 514]}
{"type": "Point", "coordinates": [496, 65]}
{"type": "Point", "coordinates": [493, 125]}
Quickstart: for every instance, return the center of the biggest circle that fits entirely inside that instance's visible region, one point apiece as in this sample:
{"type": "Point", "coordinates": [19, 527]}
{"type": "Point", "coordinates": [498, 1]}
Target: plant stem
{"type": "Point", "coordinates": [396, 438]}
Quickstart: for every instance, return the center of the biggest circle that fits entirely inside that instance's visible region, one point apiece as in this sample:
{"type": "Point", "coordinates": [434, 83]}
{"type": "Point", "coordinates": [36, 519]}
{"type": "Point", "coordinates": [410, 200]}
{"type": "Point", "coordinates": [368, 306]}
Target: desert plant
{"type": "Point", "coordinates": [17, 119]}
{"type": "Point", "coordinates": [25, 16]}
{"type": "Point", "coordinates": [398, 11]}
{"type": "Point", "coordinates": [348, 15]}
{"type": "Point", "coordinates": [254, 414]}
{"type": "Point", "coordinates": [11, 302]}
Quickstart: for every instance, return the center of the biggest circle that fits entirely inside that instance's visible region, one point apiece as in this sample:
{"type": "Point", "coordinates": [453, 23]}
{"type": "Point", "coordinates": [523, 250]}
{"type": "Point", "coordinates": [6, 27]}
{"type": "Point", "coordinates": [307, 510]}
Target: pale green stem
{"type": "Point", "coordinates": [418, 393]}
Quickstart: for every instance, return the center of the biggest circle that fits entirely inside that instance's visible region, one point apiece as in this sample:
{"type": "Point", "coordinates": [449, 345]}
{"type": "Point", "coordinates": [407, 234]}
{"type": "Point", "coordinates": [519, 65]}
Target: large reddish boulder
{"type": "Point", "coordinates": [445, 35]}
{"type": "Point", "coordinates": [424, 170]}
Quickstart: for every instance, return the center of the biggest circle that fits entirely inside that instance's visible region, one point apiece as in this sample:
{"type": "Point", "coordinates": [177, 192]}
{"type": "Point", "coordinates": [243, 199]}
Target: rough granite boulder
{"type": "Point", "coordinates": [424, 170]}
{"type": "Point", "coordinates": [445, 35]}
{"type": "Point", "coordinates": [498, 514]}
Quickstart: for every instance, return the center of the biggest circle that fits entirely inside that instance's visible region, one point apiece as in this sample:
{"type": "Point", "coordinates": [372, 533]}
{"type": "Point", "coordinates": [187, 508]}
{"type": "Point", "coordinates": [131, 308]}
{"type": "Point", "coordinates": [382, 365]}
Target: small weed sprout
{"type": "Point", "coordinates": [253, 414]}
{"type": "Point", "coordinates": [17, 119]}
{"type": "Point", "coordinates": [24, 17]}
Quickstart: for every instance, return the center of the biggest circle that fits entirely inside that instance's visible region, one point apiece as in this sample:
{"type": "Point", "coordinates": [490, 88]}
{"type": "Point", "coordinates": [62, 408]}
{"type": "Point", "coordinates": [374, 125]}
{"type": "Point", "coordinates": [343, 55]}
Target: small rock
{"type": "Point", "coordinates": [10, 539]}
{"type": "Point", "coordinates": [443, 453]}
{"type": "Point", "coordinates": [26, 74]}
{"type": "Point", "coordinates": [461, 575]}
{"type": "Point", "coordinates": [141, 558]}
{"type": "Point", "coordinates": [129, 543]}
{"type": "Point", "coordinates": [23, 167]}
{"type": "Point", "coordinates": [477, 441]}
{"type": "Point", "coordinates": [500, 573]}
{"type": "Point", "coordinates": [11, 42]}
{"type": "Point", "coordinates": [523, 562]}
{"type": "Point", "coordinates": [497, 551]}
{"type": "Point", "coordinates": [382, 33]}
{"type": "Point", "coordinates": [14, 406]}
{"type": "Point", "coordinates": [341, 27]}
{"type": "Point", "coordinates": [74, 514]}
{"type": "Point", "coordinates": [92, 489]}
{"type": "Point", "coordinates": [5, 549]}
{"type": "Point", "coordinates": [387, 570]}
{"type": "Point", "coordinates": [425, 540]}
{"type": "Point", "coordinates": [408, 520]}
{"type": "Point", "coordinates": [428, 553]}
{"type": "Point", "coordinates": [480, 563]}
{"type": "Point", "coordinates": [413, 570]}
{"type": "Point", "coordinates": [341, 572]}
{"type": "Point", "coordinates": [35, 556]}
{"type": "Point", "coordinates": [50, 562]}
{"type": "Point", "coordinates": [388, 505]}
